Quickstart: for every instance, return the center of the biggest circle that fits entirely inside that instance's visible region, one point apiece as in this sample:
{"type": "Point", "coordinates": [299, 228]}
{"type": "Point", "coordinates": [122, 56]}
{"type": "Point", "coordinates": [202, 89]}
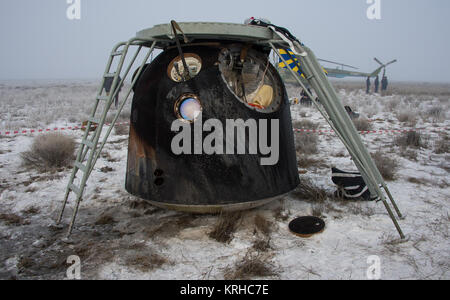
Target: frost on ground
{"type": "Point", "coordinates": [118, 236]}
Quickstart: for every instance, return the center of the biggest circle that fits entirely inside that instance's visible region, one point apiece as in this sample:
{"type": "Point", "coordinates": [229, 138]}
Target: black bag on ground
{"type": "Point", "coordinates": [351, 185]}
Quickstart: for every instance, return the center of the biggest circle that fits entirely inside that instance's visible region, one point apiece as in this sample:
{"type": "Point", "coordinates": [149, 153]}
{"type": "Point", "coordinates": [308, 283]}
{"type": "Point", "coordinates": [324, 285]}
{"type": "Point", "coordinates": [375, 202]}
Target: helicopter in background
{"type": "Point", "coordinates": [339, 71]}
{"type": "Point", "coordinates": [342, 73]}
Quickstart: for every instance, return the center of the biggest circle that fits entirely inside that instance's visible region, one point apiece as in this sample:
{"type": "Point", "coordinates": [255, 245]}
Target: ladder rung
{"type": "Point", "coordinates": [109, 75]}
{"type": "Point", "coordinates": [117, 53]}
{"type": "Point", "coordinates": [88, 143]}
{"type": "Point", "coordinates": [75, 189]}
{"type": "Point", "coordinates": [103, 98]}
{"type": "Point", "coordinates": [80, 166]}
{"type": "Point", "coordinates": [94, 120]}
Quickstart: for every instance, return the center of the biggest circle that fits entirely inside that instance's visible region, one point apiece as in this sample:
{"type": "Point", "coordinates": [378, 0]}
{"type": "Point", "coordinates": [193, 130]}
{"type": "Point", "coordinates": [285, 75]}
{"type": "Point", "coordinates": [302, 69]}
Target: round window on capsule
{"type": "Point", "coordinates": [188, 108]}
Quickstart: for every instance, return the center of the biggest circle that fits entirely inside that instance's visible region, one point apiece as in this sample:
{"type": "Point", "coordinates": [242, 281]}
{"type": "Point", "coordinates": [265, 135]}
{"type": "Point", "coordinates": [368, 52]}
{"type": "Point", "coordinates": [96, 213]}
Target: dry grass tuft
{"type": "Point", "coordinates": [225, 227]}
{"type": "Point", "coordinates": [309, 192]}
{"type": "Point", "coordinates": [362, 124]}
{"type": "Point", "coordinates": [121, 129]}
{"type": "Point", "coordinates": [146, 263]}
{"type": "Point", "coordinates": [442, 145]}
{"type": "Point", "coordinates": [408, 118]}
{"type": "Point", "coordinates": [280, 213]}
{"type": "Point", "coordinates": [262, 245]}
{"type": "Point", "coordinates": [411, 139]}
{"type": "Point", "coordinates": [263, 225]}
{"type": "Point", "coordinates": [410, 154]}
{"type": "Point", "coordinates": [418, 181]}
{"type": "Point", "coordinates": [318, 210]}
{"type": "Point", "coordinates": [436, 113]}
{"type": "Point", "coordinates": [106, 169]}
{"type": "Point", "coordinates": [25, 263]}
{"type": "Point", "coordinates": [306, 143]}
{"type": "Point", "coordinates": [105, 220]}
{"type": "Point", "coordinates": [361, 209]}
{"type": "Point", "coordinates": [386, 165]}
{"type": "Point", "coordinates": [392, 243]}
{"type": "Point", "coordinates": [49, 152]}
{"type": "Point", "coordinates": [305, 124]}
{"type": "Point", "coordinates": [31, 211]}
{"type": "Point", "coordinates": [305, 162]}
{"type": "Point", "coordinates": [13, 220]}
{"type": "Point", "coordinates": [108, 157]}
{"type": "Point", "coordinates": [249, 267]}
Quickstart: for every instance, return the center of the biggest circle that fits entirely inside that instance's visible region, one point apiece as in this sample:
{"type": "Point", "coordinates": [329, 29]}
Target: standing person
{"type": "Point", "coordinates": [368, 85]}
{"type": "Point", "coordinates": [107, 86]}
{"type": "Point", "coordinates": [384, 83]}
{"type": "Point", "coordinates": [377, 84]}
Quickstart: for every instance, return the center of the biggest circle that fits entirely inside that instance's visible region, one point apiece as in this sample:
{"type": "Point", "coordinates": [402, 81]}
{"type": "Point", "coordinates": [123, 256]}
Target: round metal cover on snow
{"type": "Point", "coordinates": [306, 226]}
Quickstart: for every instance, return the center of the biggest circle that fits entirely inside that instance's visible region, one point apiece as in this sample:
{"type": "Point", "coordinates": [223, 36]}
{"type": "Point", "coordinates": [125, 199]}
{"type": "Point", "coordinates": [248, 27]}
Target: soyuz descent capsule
{"type": "Point", "coordinates": [228, 78]}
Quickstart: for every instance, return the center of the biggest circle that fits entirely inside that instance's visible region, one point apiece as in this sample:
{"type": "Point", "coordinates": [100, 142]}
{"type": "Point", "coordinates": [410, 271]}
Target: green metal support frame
{"type": "Point", "coordinates": [334, 113]}
{"type": "Point", "coordinates": [88, 145]}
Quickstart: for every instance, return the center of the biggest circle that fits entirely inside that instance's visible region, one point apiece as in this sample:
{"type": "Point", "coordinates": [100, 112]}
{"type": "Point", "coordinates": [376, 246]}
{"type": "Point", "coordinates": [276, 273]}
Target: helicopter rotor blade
{"type": "Point", "coordinates": [378, 61]}
{"type": "Point", "coordinates": [389, 63]}
{"type": "Point", "coordinates": [337, 63]}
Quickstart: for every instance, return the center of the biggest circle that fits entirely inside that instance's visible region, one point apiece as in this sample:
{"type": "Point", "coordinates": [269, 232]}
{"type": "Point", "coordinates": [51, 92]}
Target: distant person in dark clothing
{"type": "Point", "coordinates": [368, 85]}
{"type": "Point", "coordinates": [384, 83]}
{"type": "Point", "coordinates": [377, 84]}
{"type": "Point", "coordinates": [304, 98]}
{"type": "Point", "coordinates": [107, 86]}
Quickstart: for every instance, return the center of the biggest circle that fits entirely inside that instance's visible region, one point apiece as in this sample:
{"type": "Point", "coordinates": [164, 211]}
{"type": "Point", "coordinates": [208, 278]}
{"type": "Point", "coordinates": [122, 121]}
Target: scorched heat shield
{"type": "Point", "coordinates": [226, 81]}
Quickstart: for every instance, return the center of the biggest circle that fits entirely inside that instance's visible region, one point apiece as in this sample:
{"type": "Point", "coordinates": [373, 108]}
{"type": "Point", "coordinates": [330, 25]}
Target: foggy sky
{"type": "Point", "coordinates": [39, 42]}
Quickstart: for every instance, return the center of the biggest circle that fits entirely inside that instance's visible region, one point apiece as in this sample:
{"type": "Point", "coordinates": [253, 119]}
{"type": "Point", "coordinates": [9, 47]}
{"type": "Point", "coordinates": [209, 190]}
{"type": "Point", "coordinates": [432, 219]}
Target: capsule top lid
{"type": "Point", "coordinates": [208, 31]}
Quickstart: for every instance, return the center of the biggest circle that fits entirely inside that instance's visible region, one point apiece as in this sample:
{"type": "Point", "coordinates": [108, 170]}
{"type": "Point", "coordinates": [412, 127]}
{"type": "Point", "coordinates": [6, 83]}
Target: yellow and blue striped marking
{"type": "Point", "coordinates": [292, 61]}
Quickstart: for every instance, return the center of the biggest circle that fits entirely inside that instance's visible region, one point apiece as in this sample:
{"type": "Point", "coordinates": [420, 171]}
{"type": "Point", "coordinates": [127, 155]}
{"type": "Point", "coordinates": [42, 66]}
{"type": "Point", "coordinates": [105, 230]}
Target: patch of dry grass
{"type": "Point", "coordinates": [410, 154]}
{"type": "Point", "coordinates": [106, 169]}
{"type": "Point", "coordinates": [31, 211]}
{"type": "Point", "coordinates": [49, 152]}
{"type": "Point", "coordinates": [121, 129]}
{"type": "Point", "coordinates": [442, 145]}
{"type": "Point", "coordinates": [386, 165]}
{"type": "Point", "coordinates": [435, 113]}
{"type": "Point", "coordinates": [226, 225]}
{"type": "Point", "coordinates": [108, 157]}
{"type": "Point", "coordinates": [25, 263]}
{"type": "Point", "coordinates": [280, 213]}
{"type": "Point", "coordinates": [13, 220]}
{"type": "Point", "coordinates": [306, 143]}
{"type": "Point", "coordinates": [361, 209]}
{"type": "Point", "coordinates": [392, 243]}
{"type": "Point", "coordinates": [249, 267]}
{"type": "Point", "coordinates": [418, 181]}
{"type": "Point", "coordinates": [318, 209]}
{"type": "Point", "coordinates": [263, 225]}
{"type": "Point", "coordinates": [105, 219]}
{"type": "Point", "coordinates": [146, 262]}
{"type": "Point", "coordinates": [309, 192]}
{"type": "Point", "coordinates": [407, 117]}
{"type": "Point", "coordinates": [305, 162]}
{"type": "Point", "coordinates": [305, 124]}
{"type": "Point", "coordinates": [362, 124]}
{"type": "Point", "coordinates": [411, 139]}
{"type": "Point", "coordinates": [262, 245]}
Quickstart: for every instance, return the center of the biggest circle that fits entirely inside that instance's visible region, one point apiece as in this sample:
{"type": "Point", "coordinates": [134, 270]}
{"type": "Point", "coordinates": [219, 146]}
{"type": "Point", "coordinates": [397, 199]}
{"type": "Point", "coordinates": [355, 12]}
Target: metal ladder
{"type": "Point", "coordinates": [334, 113]}
{"type": "Point", "coordinates": [89, 144]}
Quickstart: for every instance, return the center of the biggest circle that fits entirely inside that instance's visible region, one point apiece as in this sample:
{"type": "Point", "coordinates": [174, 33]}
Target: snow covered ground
{"type": "Point", "coordinates": [118, 236]}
